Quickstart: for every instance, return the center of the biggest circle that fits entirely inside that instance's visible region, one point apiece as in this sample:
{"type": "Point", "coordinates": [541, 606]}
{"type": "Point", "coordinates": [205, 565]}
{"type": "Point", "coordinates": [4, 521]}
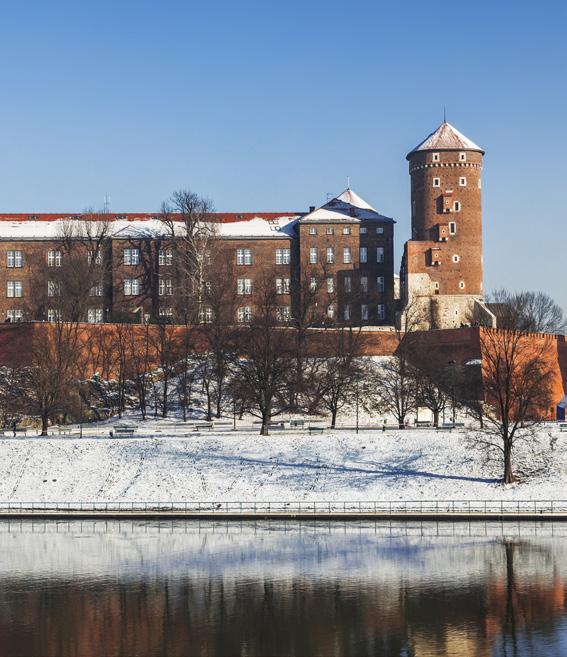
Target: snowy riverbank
{"type": "Point", "coordinates": [391, 465]}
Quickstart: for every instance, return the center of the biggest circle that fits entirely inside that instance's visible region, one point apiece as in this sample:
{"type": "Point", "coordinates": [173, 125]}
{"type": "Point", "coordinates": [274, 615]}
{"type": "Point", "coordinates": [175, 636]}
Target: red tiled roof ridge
{"type": "Point", "coordinates": [222, 217]}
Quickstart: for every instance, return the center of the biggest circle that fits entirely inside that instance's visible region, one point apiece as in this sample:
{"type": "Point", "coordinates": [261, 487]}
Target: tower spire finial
{"type": "Point", "coordinates": [444, 114]}
{"type": "Point", "coordinates": [348, 182]}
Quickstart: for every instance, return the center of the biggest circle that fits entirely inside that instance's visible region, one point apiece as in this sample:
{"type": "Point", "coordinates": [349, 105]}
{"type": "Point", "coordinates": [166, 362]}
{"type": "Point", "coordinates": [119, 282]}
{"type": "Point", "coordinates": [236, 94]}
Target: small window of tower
{"type": "Point", "coordinates": [462, 181]}
{"type": "Point", "coordinates": [462, 285]}
{"type": "Point", "coordinates": [457, 206]}
{"type": "Point", "coordinates": [435, 157]}
{"type": "Point", "coordinates": [436, 182]}
{"type": "Point", "coordinates": [462, 157]}
{"type": "Point", "coordinates": [452, 228]}
{"type": "Point", "coordinates": [456, 258]}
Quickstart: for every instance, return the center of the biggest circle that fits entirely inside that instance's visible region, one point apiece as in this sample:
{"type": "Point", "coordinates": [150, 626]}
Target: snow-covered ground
{"type": "Point", "coordinates": [286, 466]}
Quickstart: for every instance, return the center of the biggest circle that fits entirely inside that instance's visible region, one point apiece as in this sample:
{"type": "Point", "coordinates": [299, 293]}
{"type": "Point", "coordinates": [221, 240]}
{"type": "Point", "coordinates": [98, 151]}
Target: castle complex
{"type": "Point", "coordinates": [344, 250]}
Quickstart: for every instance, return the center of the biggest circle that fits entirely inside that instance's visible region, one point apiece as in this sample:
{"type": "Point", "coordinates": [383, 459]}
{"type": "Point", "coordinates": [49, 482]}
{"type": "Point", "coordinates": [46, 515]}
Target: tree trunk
{"type": "Point", "coordinates": [508, 473]}
{"type": "Point", "coordinates": [266, 417]}
{"type": "Point", "coordinates": [435, 417]}
{"type": "Point", "coordinates": [44, 423]}
{"type": "Point", "coordinates": [333, 418]}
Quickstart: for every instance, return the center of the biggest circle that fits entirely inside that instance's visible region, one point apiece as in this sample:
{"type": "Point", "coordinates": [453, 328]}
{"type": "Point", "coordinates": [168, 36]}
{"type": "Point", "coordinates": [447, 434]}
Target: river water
{"type": "Point", "coordinates": [272, 588]}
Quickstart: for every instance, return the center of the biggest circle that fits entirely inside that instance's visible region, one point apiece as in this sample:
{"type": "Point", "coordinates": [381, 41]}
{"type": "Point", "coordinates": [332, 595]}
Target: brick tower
{"type": "Point", "coordinates": [441, 274]}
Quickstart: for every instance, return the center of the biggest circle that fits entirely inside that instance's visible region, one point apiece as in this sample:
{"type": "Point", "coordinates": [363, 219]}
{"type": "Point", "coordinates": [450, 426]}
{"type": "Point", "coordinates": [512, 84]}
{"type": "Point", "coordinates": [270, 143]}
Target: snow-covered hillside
{"type": "Point", "coordinates": [374, 465]}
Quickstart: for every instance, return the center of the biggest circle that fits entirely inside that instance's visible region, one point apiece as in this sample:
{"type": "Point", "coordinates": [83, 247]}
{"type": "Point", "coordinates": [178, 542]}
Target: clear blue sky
{"type": "Point", "coordinates": [270, 105]}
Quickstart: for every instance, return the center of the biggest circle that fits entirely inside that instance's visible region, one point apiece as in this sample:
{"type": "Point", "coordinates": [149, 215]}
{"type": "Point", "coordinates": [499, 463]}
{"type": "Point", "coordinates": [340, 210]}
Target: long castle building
{"type": "Point", "coordinates": [343, 252]}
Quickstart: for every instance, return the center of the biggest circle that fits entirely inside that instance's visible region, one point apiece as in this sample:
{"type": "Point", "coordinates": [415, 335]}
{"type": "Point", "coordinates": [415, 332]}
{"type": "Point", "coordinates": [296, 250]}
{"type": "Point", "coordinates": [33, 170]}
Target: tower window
{"type": "Point", "coordinates": [462, 157]}
{"type": "Point", "coordinates": [457, 206]}
{"type": "Point", "coordinates": [456, 258]}
{"type": "Point", "coordinates": [436, 182]}
{"type": "Point", "coordinates": [452, 228]}
{"type": "Point", "coordinates": [479, 183]}
{"type": "Point", "coordinates": [462, 181]}
{"type": "Point", "coordinates": [435, 157]}
{"type": "Point", "coordinates": [462, 285]}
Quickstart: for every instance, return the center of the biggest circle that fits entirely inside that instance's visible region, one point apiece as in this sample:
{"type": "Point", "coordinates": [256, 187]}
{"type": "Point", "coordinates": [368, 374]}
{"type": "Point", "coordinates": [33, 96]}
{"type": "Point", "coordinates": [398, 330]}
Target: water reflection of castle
{"type": "Point", "coordinates": [140, 591]}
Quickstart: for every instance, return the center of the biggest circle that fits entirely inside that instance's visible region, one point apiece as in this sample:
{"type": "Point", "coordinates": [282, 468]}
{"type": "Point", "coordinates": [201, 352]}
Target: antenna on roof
{"type": "Point", "coordinates": [348, 182]}
{"type": "Point", "coordinates": [444, 114]}
{"type": "Point", "coordinates": [106, 204]}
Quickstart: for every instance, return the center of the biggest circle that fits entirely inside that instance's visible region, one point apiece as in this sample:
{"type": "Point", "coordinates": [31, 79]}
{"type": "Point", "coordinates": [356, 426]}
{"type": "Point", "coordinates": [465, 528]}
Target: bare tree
{"type": "Point", "coordinates": [536, 312]}
{"type": "Point", "coordinates": [518, 383]}
{"type": "Point", "coordinates": [263, 358]}
{"type": "Point", "coordinates": [191, 234]}
{"type": "Point", "coordinates": [340, 372]}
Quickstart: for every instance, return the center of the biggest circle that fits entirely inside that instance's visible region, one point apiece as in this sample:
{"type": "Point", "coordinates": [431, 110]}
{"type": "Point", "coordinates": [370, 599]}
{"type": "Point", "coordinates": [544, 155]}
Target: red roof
{"type": "Point", "coordinates": [221, 217]}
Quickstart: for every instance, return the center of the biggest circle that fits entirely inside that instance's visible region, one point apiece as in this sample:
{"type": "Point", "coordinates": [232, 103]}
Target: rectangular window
{"type": "Point", "coordinates": [330, 254]}
{"type": "Point", "coordinates": [15, 315]}
{"type": "Point", "coordinates": [131, 287]}
{"type": "Point", "coordinates": [363, 254]}
{"type": "Point", "coordinates": [165, 287]}
{"type": "Point", "coordinates": [380, 254]}
{"type": "Point", "coordinates": [457, 206]}
{"type": "Point", "coordinates": [131, 256]}
{"type": "Point", "coordinates": [462, 181]}
{"type": "Point", "coordinates": [380, 311]}
{"type": "Point", "coordinates": [53, 315]}
{"type": "Point", "coordinates": [14, 259]}
{"type": "Point", "coordinates": [14, 289]}
{"type": "Point", "coordinates": [379, 230]}
{"type": "Point", "coordinates": [283, 313]}
{"type": "Point", "coordinates": [346, 230]}
{"type": "Point", "coordinates": [347, 282]}
{"type": "Point", "coordinates": [347, 258]}
{"type": "Point", "coordinates": [243, 257]}
{"type": "Point", "coordinates": [53, 289]}
{"type": "Point", "coordinates": [244, 314]}
{"type": "Point", "coordinates": [462, 157]}
{"type": "Point", "coordinates": [452, 228]}
{"type": "Point", "coordinates": [330, 311]}
{"type": "Point", "coordinates": [330, 284]}
{"type": "Point", "coordinates": [165, 257]}
{"type": "Point", "coordinates": [54, 258]}
{"type": "Point", "coordinates": [244, 286]}
{"type": "Point", "coordinates": [380, 283]}
{"type": "Point", "coordinates": [96, 290]}
{"type": "Point", "coordinates": [330, 230]}
{"type": "Point", "coordinates": [166, 312]}
{"type": "Point", "coordinates": [313, 255]}
{"type": "Point", "coordinates": [436, 182]}
{"type": "Point", "coordinates": [94, 315]}
{"type": "Point", "coordinates": [364, 312]}
{"type": "Point", "coordinates": [282, 256]}
{"type": "Point", "coordinates": [363, 230]}
{"type": "Point", "coordinates": [313, 230]}
{"type": "Point", "coordinates": [313, 284]}
{"type": "Point", "coordinates": [346, 312]}
{"type": "Point", "coordinates": [94, 257]}
{"type": "Point", "coordinates": [282, 285]}
{"type": "Point", "coordinates": [435, 157]}
{"type": "Point", "coordinates": [364, 284]}
{"type": "Point", "coordinates": [205, 315]}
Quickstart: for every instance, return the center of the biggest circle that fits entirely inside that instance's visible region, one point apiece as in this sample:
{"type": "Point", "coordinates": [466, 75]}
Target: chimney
{"type": "Point", "coordinates": [311, 208]}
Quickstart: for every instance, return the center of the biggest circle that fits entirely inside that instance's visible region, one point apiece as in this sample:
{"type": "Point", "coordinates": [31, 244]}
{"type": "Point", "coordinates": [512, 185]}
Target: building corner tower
{"type": "Point", "coordinates": [441, 273]}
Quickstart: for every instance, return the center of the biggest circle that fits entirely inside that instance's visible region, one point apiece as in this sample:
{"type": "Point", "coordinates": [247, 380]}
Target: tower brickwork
{"type": "Point", "coordinates": [442, 268]}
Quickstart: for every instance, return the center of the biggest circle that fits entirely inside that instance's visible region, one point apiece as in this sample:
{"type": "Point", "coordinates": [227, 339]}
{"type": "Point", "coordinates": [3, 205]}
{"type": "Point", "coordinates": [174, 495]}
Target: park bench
{"type": "Point", "coordinates": [203, 425]}
{"type": "Point", "coordinates": [62, 430]}
{"type": "Point", "coordinates": [277, 426]}
{"type": "Point", "coordinates": [423, 423]}
{"type": "Point", "coordinates": [297, 423]}
{"type": "Point", "coordinates": [316, 429]}
{"type": "Point", "coordinates": [445, 427]}
{"type": "Point", "coordinates": [124, 429]}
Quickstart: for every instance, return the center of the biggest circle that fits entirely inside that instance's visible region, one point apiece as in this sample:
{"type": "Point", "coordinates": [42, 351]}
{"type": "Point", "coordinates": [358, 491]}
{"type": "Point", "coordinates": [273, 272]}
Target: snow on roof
{"type": "Point", "coordinates": [229, 226]}
{"type": "Point", "coordinates": [446, 137]}
{"type": "Point", "coordinates": [347, 206]}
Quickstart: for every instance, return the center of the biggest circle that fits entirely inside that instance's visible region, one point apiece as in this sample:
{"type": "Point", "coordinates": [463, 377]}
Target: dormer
{"type": "Point", "coordinates": [447, 201]}
{"type": "Point", "coordinates": [443, 232]}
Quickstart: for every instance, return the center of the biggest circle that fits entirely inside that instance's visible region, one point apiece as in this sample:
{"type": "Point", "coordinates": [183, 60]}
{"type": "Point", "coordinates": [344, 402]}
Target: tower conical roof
{"type": "Point", "coordinates": [446, 138]}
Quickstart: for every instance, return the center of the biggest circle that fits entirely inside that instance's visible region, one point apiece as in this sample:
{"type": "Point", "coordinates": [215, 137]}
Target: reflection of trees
{"type": "Point", "coordinates": [518, 596]}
